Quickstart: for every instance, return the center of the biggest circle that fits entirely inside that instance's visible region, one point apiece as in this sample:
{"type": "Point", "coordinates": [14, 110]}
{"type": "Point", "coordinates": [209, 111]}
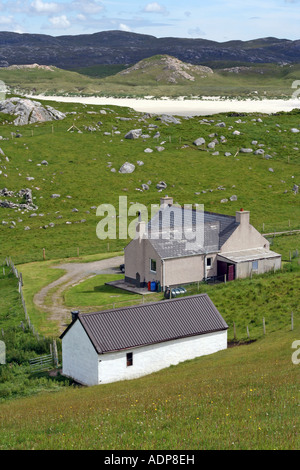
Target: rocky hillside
{"type": "Point", "coordinates": [166, 69]}
{"type": "Point", "coordinates": [28, 112]}
{"type": "Point", "coordinates": [119, 47]}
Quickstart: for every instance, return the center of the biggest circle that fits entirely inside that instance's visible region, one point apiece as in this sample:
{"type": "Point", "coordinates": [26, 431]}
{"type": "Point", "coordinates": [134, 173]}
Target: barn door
{"type": "Point", "coordinates": [231, 272]}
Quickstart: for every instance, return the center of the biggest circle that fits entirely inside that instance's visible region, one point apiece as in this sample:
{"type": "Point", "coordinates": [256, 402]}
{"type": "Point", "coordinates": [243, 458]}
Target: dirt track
{"type": "Point", "coordinates": [75, 273]}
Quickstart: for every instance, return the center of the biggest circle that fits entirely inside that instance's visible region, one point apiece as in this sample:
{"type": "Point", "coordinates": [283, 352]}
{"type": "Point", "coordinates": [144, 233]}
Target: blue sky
{"type": "Point", "coordinates": [218, 20]}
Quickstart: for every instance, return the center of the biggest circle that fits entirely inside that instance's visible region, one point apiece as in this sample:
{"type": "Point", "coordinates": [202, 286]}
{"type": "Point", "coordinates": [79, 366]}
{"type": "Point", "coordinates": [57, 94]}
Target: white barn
{"type": "Point", "coordinates": [130, 342]}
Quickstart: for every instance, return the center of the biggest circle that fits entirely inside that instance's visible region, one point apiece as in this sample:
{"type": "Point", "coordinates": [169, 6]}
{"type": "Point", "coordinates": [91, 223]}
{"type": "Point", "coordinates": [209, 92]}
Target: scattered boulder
{"type": "Point", "coordinates": [161, 185]}
{"type": "Point", "coordinates": [295, 130]}
{"type": "Point", "coordinates": [246, 150]}
{"type": "Point", "coordinates": [127, 168]}
{"type": "Point", "coordinates": [133, 134]}
{"type": "Point", "coordinates": [199, 141]}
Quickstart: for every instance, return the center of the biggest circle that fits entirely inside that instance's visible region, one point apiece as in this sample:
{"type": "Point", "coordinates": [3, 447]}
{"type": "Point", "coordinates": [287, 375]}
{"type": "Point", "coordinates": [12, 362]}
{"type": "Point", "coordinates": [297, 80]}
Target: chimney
{"type": "Point", "coordinates": [166, 201]}
{"type": "Point", "coordinates": [140, 228]}
{"type": "Point", "coordinates": [242, 217]}
{"type": "Point", "coordinates": [74, 314]}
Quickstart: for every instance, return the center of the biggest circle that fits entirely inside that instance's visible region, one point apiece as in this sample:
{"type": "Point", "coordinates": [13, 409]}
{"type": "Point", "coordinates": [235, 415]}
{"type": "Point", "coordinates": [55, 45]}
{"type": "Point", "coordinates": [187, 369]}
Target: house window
{"type": "Point", "coordinates": [153, 265]}
{"type": "Point", "coordinates": [254, 265]}
{"type": "Point", "coordinates": [129, 359]}
{"type": "Point", "coordinates": [209, 262]}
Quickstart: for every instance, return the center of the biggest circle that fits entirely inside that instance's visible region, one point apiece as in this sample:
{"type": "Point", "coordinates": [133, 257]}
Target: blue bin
{"type": "Point", "coordinates": [153, 286]}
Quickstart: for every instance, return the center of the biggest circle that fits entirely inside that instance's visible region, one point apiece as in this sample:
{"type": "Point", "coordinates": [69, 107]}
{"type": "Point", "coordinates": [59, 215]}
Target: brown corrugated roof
{"type": "Point", "coordinates": [150, 323]}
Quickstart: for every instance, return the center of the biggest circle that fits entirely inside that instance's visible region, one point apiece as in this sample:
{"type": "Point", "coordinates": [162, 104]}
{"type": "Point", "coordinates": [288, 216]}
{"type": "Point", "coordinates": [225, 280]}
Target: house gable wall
{"type": "Point", "coordinates": [245, 237]}
{"type": "Point", "coordinates": [79, 357]}
{"type": "Point", "coordinates": [137, 260]}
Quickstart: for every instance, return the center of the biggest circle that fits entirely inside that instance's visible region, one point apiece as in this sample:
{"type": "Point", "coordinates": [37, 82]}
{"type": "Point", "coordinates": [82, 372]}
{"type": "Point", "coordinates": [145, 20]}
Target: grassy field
{"type": "Point", "coordinates": [242, 398]}
{"type": "Point", "coordinates": [79, 170]}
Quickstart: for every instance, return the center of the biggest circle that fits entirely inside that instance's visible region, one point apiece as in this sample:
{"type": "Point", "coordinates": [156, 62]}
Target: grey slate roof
{"type": "Point", "coordinates": [151, 323]}
{"type": "Point", "coordinates": [217, 228]}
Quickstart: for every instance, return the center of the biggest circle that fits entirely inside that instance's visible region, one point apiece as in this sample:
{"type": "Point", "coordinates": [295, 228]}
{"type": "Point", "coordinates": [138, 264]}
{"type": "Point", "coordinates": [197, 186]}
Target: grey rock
{"type": "Point", "coordinates": [211, 145]}
{"type": "Point", "coordinates": [28, 111]}
{"type": "Point", "coordinates": [161, 185]}
{"type": "Point", "coordinates": [54, 196]}
{"type": "Point", "coordinates": [127, 168]}
{"type": "Point", "coordinates": [295, 130]}
{"type": "Point", "coordinates": [199, 141]}
{"type": "Point", "coordinates": [133, 134]}
{"type": "Point", "coordinates": [233, 198]}
{"type": "Point", "coordinates": [221, 124]}
{"type": "Point", "coordinates": [148, 150]}
{"type": "Point", "coordinates": [246, 150]}
{"type": "Point", "coordinates": [295, 189]}
{"type": "Point", "coordinates": [259, 152]}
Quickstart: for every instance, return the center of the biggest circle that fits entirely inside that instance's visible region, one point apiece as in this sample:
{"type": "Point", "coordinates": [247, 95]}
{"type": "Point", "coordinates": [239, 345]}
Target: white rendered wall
{"type": "Point", "coordinates": [148, 359]}
{"type": "Point", "coordinates": [79, 358]}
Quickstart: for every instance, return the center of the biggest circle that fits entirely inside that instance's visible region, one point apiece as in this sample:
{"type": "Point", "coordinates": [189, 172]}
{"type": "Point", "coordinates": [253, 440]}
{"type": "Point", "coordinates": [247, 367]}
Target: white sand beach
{"type": "Point", "coordinates": [184, 107]}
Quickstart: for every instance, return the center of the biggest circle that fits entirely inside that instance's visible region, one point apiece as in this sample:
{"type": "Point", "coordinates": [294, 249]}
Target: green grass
{"type": "Point", "coordinates": [94, 292]}
{"type": "Point", "coordinates": [240, 398]}
{"type": "Point", "coordinates": [78, 167]}
{"type": "Point", "coordinates": [16, 378]}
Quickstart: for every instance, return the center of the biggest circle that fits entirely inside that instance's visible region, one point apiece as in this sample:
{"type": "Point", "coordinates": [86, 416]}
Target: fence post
{"type": "Point", "coordinates": [55, 355]}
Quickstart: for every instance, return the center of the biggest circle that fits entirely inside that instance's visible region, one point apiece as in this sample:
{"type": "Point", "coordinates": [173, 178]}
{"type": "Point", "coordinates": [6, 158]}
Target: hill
{"type": "Point", "coordinates": [158, 76]}
{"type": "Point", "coordinates": [163, 69]}
{"type": "Point", "coordinates": [119, 47]}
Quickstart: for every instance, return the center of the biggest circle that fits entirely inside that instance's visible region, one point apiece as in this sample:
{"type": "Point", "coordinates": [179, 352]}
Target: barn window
{"type": "Point", "coordinates": [254, 265]}
{"type": "Point", "coordinates": [153, 265]}
{"type": "Point", "coordinates": [129, 359]}
{"type": "Point", "coordinates": [208, 262]}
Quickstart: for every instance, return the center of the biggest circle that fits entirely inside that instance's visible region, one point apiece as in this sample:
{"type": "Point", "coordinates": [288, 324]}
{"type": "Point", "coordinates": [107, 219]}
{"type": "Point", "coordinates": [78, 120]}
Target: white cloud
{"type": "Point", "coordinates": [124, 27]}
{"type": "Point", "coordinates": [60, 22]}
{"type": "Point", "coordinates": [155, 7]}
{"type": "Point", "coordinates": [40, 7]}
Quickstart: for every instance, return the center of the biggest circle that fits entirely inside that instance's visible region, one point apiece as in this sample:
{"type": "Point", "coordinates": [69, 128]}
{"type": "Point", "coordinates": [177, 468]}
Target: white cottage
{"type": "Point", "coordinates": [130, 342]}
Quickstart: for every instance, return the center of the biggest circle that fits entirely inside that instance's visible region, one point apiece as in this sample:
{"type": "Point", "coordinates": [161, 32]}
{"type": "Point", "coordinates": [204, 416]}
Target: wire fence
{"type": "Point", "coordinates": [39, 363]}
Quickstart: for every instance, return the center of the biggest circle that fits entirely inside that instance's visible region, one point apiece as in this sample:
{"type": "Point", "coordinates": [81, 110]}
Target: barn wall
{"type": "Point", "coordinates": [79, 358]}
{"type": "Point", "coordinates": [148, 359]}
{"type": "Point", "coordinates": [264, 265]}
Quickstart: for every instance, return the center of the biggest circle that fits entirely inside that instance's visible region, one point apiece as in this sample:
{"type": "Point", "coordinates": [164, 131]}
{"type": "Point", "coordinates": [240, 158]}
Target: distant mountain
{"type": "Point", "coordinates": [119, 47]}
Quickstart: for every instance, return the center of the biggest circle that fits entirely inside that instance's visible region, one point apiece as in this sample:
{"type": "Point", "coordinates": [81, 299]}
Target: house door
{"type": "Point", "coordinates": [231, 272]}
{"type": "Point", "coordinates": [138, 280]}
